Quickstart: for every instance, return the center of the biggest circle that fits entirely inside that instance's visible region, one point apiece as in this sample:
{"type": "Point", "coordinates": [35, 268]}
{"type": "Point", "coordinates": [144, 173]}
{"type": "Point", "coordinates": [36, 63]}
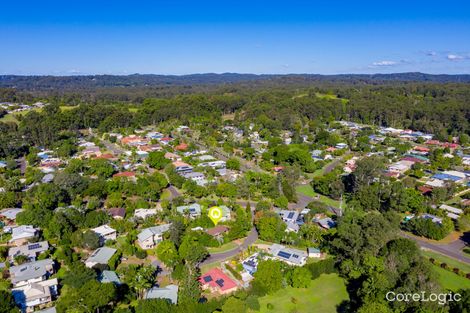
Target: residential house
{"type": "Point", "coordinates": [453, 213]}
{"type": "Point", "coordinates": [290, 218]}
{"type": "Point", "coordinates": [435, 219]}
{"type": "Point", "coordinates": [401, 166]}
{"type": "Point", "coordinates": [194, 210]}
{"type": "Point", "coordinates": [22, 234]}
{"type": "Point", "coordinates": [144, 213]}
{"type": "Point", "coordinates": [326, 222]}
{"type": "Point", "coordinates": [181, 147]}
{"type": "Point", "coordinates": [109, 277]}
{"type": "Point", "coordinates": [33, 295]}
{"type": "Point", "coordinates": [217, 281]}
{"type": "Point", "coordinates": [288, 255]}
{"type": "Point", "coordinates": [32, 250]}
{"type": "Point", "coordinates": [217, 231]}
{"type": "Point", "coordinates": [226, 213]}
{"type": "Point", "coordinates": [250, 264]}
{"type": "Point", "coordinates": [150, 237]}
{"type": "Point", "coordinates": [91, 151]}
{"type": "Point", "coordinates": [134, 140]}
{"type": "Point", "coordinates": [100, 256]}
{"type": "Point", "coordinates": [173, 157]}
{"type": "Point", "coordinates": [182, 167]}
{"type": "Point", "coordinates": [105, 232]}
{"type": "Point", "coordinates": [206, 157]}
{"type": "Point", "coordinates": [169, 293]}
{"type": "Point", "coordinates": [117, 213]}
{"type": "Point", "coordinates": [314, 252]}
{"type": "Point", "coordinates": [214, 164]}
{"type": "Point", "coordinates": [32, 272]}
{"type": "Point", "coordinates": [8, 216]}
{"type": "Point", "coordinates": [127, 174]}
{"type": "Point", "coordinates": [165, 140]}
{"type": "Point", "coordinates": [198, 177]}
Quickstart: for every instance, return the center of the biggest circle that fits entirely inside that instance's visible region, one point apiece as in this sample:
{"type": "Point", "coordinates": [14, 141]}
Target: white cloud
{"type": "Point", "coordinates": [385, 63]}
{"type": "Point", "coordinates": [455, 57]}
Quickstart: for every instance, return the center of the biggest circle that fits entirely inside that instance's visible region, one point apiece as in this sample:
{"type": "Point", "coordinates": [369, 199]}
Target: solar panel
{"type": "Point", "coordinates": [284, 255]}
{"type": "Point", "coordinates": [207, 279]}
{"type": "Point", "coordinates": [291, 215]}
{"type": "Point", "coordinates": [220, 282]}
{"type": "Point", "coordinates": [34, 246]}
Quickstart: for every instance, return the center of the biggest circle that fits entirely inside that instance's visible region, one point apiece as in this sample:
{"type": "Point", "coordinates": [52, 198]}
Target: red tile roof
{"type": "Point", "coordinates": [124, 174]}
{"type": "Point", "coordinates": [181, 147]}
{"type": "Point", "coordinates": [216, 274]}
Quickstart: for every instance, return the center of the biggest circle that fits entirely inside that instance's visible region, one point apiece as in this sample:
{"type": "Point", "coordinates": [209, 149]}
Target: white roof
{"type": "Point", "coordinates": [103, 230]}
{"type": "Point", "coordinates": [143, 213]}
{"type": "Point", "coordinates": [10, 213]}
{"type": "Point", "coordinates": [451, 209]}
{"type": "Point", "coordinates": [22, 232]}
{"type": "Point", "coordinates": [455, 173]}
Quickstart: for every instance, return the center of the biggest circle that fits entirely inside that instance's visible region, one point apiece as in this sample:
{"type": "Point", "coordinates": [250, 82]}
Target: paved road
{"type": "Point", "coordinates": [452, 249]}
{"type": "Point", "coordinates": [216, 257]}
{"type": "Point", "coordinates": [174, 193]}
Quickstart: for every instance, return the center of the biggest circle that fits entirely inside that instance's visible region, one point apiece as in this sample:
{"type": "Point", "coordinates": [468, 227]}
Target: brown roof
{"type": "Point", "coordinates": [217, 230]}
{"type": "Point", "coordinates": [117, 212]}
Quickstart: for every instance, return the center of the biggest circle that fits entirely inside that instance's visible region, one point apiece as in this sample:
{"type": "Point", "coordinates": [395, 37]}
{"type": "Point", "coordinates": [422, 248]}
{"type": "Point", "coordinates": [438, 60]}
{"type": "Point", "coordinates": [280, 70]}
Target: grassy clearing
{"type": "Point", "coordinates": [206, 267]}
{"type": "Point", "coordinates": [133, 110]}
{"type": "Point", "coordinates": [323, 295]}
{"type": "Point", "coordinates": [226, 247]}
{"type": "Point", "coordinates": [451, 281]}
{"type": "Point", "coordinates": [67, 107]}
{"type": "Point", "coordinates": [306, 190]}
{"type": "Point", "coordinates": [330, 97]}
{"type": "Point", "coordinates": [449, 261]}
{"type": "Point", "coordinates": [165, 195]}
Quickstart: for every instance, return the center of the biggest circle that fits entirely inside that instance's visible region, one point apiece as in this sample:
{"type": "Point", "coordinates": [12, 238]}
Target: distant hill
{"type": "Point", "coordinates": [44, 83]}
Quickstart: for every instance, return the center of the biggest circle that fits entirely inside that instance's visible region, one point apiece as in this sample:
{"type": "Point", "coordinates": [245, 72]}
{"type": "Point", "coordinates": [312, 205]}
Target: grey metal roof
{"type": "Point", "coordinates": [30, 250]}
{"type": "Point", "coordinates": [101, 255]}
{"type": "Point", "coordinates": [109, 277]}
{"type": "Point", "coordinates": [151, 231]}
{"type": "Point", "coordinates": [30, 270]}
{"type": "Point", "coordinates": [169, 292]}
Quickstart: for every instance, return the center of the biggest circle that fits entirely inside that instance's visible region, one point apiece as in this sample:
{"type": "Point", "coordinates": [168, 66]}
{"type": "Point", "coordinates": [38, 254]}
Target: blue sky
{"type": "Point", "coordinates": [183, 37]}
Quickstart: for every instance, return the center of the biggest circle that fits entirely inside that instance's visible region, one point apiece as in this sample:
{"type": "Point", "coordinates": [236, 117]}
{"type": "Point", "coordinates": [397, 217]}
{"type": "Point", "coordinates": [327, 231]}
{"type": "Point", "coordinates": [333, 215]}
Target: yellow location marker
{"type": "Point", "coordinates": [215, 214]}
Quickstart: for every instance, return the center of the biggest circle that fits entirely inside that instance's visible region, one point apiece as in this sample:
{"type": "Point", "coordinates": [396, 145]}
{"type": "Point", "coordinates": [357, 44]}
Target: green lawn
{"type": "Point", "coordinates": [449, 261]}
{"type": "Point", "coordinates": [226, 247]}
{"type": "Point", "coordinates": [323, 295]}
{"type": "Point", "coordinates": [206, 267]}
{"type": "Point", "coordinates": [330, 97]}
{"type": "Point", "coordinates": [165, 195]}
{"type": "Point", "coordinates": [306, 190]}
{"type": "Point", "coordinates": [451, 280]}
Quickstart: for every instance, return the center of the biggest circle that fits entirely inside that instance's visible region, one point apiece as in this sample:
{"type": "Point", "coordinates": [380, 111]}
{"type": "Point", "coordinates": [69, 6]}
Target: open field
{"type": "Point", "coordinates": [323, 295]}
{"type": "Point", "coordinates": [308, 191]}
{"type": "Point", "coordinates": [330, 97]}
{"type": "Point", "coordinates": [451, 280]}
{"type": "Point", "coordinates": [449, 261]}
{"type": "Point", "coordinates": [226, 247]}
